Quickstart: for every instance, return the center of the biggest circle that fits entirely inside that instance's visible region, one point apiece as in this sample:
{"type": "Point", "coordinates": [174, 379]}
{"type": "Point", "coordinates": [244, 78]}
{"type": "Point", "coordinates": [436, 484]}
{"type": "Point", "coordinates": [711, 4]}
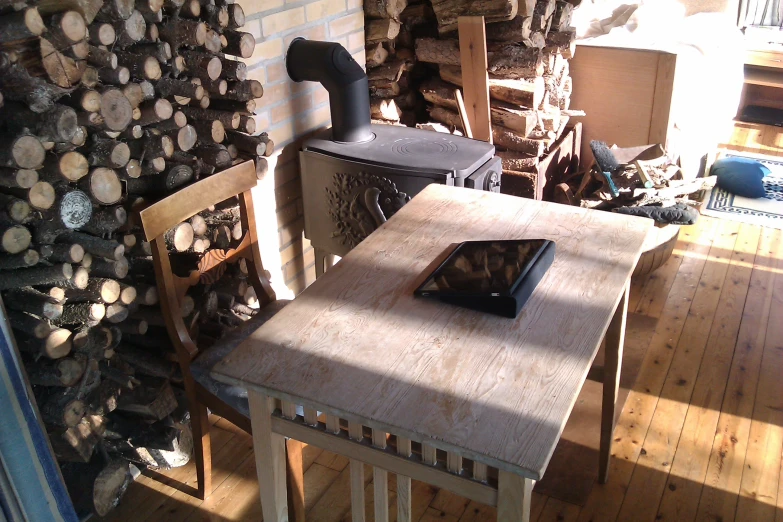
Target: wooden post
{"type": "Point", "coordinates": [514, 495]}
{"type": "Point", "coordinates": [475, 80]}
{"type": "Point", "coordinates": [269, 448]}
{"type": "Point", "coordinates": [613, 360]}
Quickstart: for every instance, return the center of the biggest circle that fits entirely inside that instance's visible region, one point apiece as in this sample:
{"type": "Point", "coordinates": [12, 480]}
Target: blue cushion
{"type": "Point", "coordinates": [741, 176]}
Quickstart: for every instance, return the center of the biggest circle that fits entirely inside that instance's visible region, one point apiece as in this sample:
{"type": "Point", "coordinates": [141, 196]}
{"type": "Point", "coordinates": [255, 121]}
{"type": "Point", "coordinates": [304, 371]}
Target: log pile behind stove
{"type": "Point", "coordinates": [413, 65]}
{"type": "Point", "coordinates": [107, 107]}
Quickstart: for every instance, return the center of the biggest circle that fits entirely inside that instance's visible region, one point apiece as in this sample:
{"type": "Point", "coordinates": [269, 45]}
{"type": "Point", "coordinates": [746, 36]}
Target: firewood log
{"type": "Point", "coordinates": [154, 111]}
{"type": "Point", "coordinates": [154, 400]}
{"type": "Point", "coordinates": [108, 153]}
{"type": "Point", "coordinates": [255, 145]}
{"type": "Point", "coordinates": [17, 178]}
{"type": "Point", "coordinates": [55, 346]}
{"type": "Point", "coordinates": [215, 154]}
{"type": "Point", "coordinates": [65, 372]}
{"type": "Point", "coordinates": [381, 30]}
{"type": "Point", "coordinates": [128, 294]}
{"type": "Point", "coordinates": [21, 260]}
{"type": "Point", "coordinates": [519, 162]}
{"type": "Point", "coordinates": [516, 62]}
{"type": "Point", "coordinates": [116, 110]}
{"type": "Point", "coordinates": [58, 124]}
{"type": "Point", "coordinates": [515, 30]}
{"type": "Point", "coordinates": [117, 76]}
{"type": "Point", "coordinates": [130, 30]}
{"type": "Point", "coordinates": [75, 444]}
{"type": "Point", "coordinates": [72, 208]}
{"type": "Point", "coordinates": [20, 25]}
{"type": "Point", "coordinates": [179, 32]}
{"type": "Point", "coordinates": [34, 302]}
{"type": "Point", "coordinates": [163, 184]}
{"type": "Point", "coordinates": [141, 67]}
{"type": "Point", "coordinates": [527, 93]}
{"type": "Point", "coordinates": [101, 34]}
{"type": "Point", "coordinates": [103, 185]}
{"type": "Point", "coordinates": [80, 313]}
{"type": "Point", "coordinates": [236, 16]}
{"type": "Point", "coordinates": [447, 11]}
{"type": "Point", "coordinates": [116, 313]}
{"type": "Point", "coordinates": [561, 20]}
{"type": "Point", "coordinates": [92, 341]}
{"type": "Point", "coordinates": [150, 9]}
{"type": "Point", "coordinates": [30, 324]}
{"type": "Point", "coordinates": [180, 237]}
{"type": "Point", "coordinates": [36, 275]}
{"type": "Point", "coordinates": [97, 486]}
{"type": "Point", "coordinates": [198, 165]}
{"type": "Point", "coordinates": [14, 209]}
{"type": "Point", "coordinates": [562, 41]}
{"type": "Point", "coordinates": [65, 28]}
{"type": "Point", "coordinates": [22, 151]}
{"type": "Point", "coordinates": [384, 8]}
{"type": "Point", "coordinates": [444, 52]}
{"type": "Point", "coordinates": [239, 43]}
{"type": "Point", "coordinates": [115, 10]}
{"type": "Point", "coordinates": [94, 245]}
{"type": "Point", "coordinates": [375, 55]}
{"type": "Point", "coordinates": [109, 268]}
{"type": "Point", "coordinates": [98, 290]}
{"type": "Point", "coordinates": [183, 138]}
{"type": "Point", "coordinates": [217, 87]}
{"type": "Point", "coordinates": [247, 107]}
{"type": "Point", "coordinates": [233, 69]}
{"type": "Point", "coordinates": [230, 120]}
{"type": "Point", "coordinates": [64, 253]}
{"type": "Point", "coordinates": [152, 145]}
{"type": "Point", "coordinates": [15, 239]}
{"type": "Point", "coordinates": [209, 131]}
{"type": "Point", "coordinates": [169, 87]}
{"type": "Point", "coordinates": [63, 409]}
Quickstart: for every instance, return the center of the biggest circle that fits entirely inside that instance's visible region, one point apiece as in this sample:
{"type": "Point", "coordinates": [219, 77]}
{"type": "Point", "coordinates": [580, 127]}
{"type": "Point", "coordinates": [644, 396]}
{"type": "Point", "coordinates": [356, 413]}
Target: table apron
{"type": "Point", "coordinates": [384, 459]}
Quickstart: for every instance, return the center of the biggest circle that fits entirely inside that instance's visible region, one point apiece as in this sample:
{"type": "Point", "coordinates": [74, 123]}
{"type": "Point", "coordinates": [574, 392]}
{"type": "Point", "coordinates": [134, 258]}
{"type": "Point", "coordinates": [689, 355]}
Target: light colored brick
{"type": "Point", "coordinates": [283, 133]}
{"type": "Point", "coordinates": [291, 252]}
{"type": "Point", "coordinates": [292, 231]}
{"type": "Point", "coordinates": [295, 106]}
{"type": "Point", "coordinates": [286, 172]}
{"type": "Point", "coordinates": [283, 21]}
{"type": "Point", "coordinates": [288, 193]}
{"type": "Point", "coordinates": [257, 73]}
{"type": "Point", "coordinates": [274, 93]}
{"type": "Point", "coordinates": [324, 9]}
{"type": "Point", "coordinates": [320, 96]}
{"type": "Point", "coordinates": [276, 72]}
{"type": "Point", "coordinates": [346, 24]}
{"type": "Point", "coordinates": [316, 32]}
{"type": "Point", "coordinates": [309, 257]}
{"type": "Point", "coordinates": [251, 7]}
{"type": "Point", "coordinates": [356, 41]}
{"type": "Point", "coordinates": [262, 120]}
{"type": "Point", "coordinates": [266, 50]}
{"type": "Point", "coordinates": [355, 4]}
{"type": "Point", "coordinates": [361, 58]}
{"type": "Point", "coordinates": [286, 214]}
{"type": "Point", "coordinates": [253, 27]}
{"type": "Point", "coordinates": [313, 119]}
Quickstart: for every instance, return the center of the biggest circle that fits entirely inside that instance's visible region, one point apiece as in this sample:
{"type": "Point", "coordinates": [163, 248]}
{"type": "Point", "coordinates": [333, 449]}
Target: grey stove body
{"type": "Point", "coordinates": [356, 175]}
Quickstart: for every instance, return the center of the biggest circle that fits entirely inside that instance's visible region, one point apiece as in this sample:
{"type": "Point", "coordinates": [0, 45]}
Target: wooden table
{"type": "Point", "coordinates": [466, 401]}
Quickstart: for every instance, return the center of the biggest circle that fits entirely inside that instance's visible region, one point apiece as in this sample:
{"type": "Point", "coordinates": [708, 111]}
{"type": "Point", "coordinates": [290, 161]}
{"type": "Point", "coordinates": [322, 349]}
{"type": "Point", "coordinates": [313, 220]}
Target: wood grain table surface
{"type": "Point", "coordinates": [358, 344]}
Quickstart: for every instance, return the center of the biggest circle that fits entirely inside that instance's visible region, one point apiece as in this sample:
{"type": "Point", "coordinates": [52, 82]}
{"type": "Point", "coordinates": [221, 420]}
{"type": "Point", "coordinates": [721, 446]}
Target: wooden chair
{"type": "Point", "coordinates": [202, 391]}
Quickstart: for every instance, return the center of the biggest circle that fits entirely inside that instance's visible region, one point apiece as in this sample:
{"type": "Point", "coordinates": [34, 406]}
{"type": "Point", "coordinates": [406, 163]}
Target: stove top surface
{"type": "Point", "coordinates": [406, 147]}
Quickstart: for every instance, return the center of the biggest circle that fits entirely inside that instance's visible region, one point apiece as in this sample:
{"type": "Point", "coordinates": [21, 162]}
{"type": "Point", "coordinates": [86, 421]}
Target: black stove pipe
{"type": "Point", "coordinates": [349, 98]}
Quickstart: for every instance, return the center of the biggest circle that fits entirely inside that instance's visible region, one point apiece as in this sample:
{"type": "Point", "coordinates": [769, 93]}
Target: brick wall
{"type": "Point", "coordinates": [288, 111]}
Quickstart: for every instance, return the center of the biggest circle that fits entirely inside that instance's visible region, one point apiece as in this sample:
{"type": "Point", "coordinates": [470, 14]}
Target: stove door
{"type": "Point", "coordinates": [486, 177]}
{"type": "Point", "coordinates": [345, 201]}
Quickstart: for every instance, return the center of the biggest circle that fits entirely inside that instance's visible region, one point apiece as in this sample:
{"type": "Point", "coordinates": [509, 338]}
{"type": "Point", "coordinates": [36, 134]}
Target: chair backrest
{"type": "Point", "coordinates": [184, 204]}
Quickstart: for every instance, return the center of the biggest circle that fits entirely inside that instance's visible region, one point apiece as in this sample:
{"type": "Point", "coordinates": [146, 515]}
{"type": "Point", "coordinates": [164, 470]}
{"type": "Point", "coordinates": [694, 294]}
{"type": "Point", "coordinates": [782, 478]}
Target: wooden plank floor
{"type": "Point", "coordinates": [700, 436]}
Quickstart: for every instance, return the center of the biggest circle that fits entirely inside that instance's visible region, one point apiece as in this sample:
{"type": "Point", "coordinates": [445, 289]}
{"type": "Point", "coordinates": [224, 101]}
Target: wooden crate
{"type": "Point", "coordinates": [561, 161]}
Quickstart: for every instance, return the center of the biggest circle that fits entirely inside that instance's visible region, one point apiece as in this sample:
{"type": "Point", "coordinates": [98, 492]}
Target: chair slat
{"type": "Point", "coordinates": [158, 218]}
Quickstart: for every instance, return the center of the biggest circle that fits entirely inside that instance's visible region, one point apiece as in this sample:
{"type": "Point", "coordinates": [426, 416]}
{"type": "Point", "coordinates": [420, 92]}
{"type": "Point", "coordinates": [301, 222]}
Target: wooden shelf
{"type": "Point", "coordinates": [766, 77]}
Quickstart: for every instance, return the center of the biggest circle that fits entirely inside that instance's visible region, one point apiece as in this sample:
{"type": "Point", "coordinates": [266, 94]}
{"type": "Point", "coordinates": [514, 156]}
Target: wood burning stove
{"type": "Point", "coordinates": [356, 175]}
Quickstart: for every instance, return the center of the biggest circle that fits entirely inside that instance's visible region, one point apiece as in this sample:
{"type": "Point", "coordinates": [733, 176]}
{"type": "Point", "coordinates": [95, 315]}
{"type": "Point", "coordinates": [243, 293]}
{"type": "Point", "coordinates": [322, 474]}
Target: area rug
{"type": "Point", "coordinates": [766, 211]}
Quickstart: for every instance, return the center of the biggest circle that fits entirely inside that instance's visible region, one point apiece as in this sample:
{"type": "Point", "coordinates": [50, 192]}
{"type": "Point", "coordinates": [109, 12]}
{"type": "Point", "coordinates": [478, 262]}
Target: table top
{"type": "Point", "coordinates": [358, 344]}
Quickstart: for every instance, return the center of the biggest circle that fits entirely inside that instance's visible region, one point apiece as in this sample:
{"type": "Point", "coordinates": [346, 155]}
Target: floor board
{"type": "Point", "coordinates": [700, 436]}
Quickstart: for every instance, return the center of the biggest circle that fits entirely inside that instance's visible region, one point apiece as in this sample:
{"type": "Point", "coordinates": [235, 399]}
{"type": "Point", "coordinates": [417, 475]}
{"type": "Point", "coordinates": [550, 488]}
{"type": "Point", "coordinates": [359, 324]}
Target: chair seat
{"type": "Point", "coordinates": [233, 396]}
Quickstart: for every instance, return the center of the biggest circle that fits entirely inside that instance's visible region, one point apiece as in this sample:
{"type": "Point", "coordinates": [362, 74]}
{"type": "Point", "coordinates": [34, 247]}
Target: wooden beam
{"type": "Point", "coordinates": [475, 81]}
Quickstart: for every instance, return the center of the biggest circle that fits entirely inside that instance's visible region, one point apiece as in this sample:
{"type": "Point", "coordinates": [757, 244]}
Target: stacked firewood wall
{"type": "Point", "coordinates": [414, 68]}
{"type": "Point", "coordinates": [106, 107]}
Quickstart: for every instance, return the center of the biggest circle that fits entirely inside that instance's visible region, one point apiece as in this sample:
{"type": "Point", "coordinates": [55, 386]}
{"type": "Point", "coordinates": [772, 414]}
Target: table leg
{"type": "Point", "coordinates": [269, 449]}
{"type": "Point", "coordinates": [613, 358]}
{"type": "Point", "coordinates": [514, 494]}
{"type": "Point", "coordinates": [357, 477]}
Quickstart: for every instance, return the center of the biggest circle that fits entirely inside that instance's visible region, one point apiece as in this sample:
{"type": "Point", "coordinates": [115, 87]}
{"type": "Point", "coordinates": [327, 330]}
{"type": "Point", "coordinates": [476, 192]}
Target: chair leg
{"type": "Point", "coordinates": [202, 447]}
{"type": "Point", "coordinates": [295, 473]}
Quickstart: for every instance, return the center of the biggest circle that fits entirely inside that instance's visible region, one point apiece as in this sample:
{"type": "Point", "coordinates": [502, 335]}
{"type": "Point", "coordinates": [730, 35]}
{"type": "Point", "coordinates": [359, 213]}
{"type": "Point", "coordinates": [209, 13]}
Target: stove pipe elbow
{"type": "Point", "coordinates": [331, 65]}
